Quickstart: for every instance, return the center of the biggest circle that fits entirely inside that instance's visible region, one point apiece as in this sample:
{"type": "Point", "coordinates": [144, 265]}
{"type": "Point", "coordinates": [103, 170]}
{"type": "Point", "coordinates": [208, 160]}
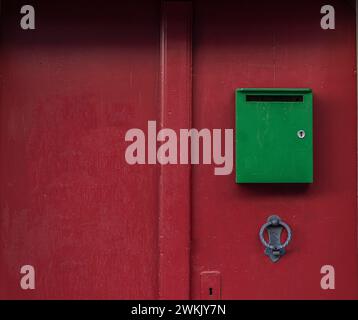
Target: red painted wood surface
{"type": "Point", "coordinates": [176, 89]}
{"type": "Point", "coordinates": [94, 226]}
{"type": "Point", "coordinates": [277, 44]}
{"type": "Point", "coordinates": [210, 288]}
{"type": "Point", "coordinates": [70, 204]}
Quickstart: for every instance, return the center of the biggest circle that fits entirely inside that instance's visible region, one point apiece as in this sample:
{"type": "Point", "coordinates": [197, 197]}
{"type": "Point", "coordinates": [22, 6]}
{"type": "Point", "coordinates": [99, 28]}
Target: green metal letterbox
{"type": "Point", "coordinates": [274, 136]}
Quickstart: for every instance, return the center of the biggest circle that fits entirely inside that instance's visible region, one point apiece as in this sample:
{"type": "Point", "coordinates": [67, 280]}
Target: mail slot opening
{"type": "Point", "coordinates": [274, 98]}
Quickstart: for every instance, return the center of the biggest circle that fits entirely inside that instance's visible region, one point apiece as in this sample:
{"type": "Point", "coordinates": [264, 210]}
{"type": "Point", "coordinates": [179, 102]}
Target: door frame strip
{"type": "Point", "coordinates": [175, 186]}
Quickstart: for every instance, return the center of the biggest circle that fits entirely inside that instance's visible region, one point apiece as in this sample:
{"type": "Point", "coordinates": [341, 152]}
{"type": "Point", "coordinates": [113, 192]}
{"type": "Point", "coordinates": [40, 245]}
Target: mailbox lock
{"type": "Point", "coordinates": [274, 226]}
{"type": "Point", "coordinates": [301, 134]}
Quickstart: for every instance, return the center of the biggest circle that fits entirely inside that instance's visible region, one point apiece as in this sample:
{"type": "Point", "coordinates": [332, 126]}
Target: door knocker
{"type": "Point", "coordinates": [274, 248]}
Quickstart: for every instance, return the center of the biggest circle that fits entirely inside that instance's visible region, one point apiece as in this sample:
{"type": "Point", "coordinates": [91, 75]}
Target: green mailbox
{"type": "Point", "coordinates": [274, 136]}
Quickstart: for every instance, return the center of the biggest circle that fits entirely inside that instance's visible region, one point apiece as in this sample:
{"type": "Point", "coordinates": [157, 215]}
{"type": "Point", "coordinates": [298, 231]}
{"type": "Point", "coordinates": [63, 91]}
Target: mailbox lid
{"type": "Point", "coordinates": [269, 148]}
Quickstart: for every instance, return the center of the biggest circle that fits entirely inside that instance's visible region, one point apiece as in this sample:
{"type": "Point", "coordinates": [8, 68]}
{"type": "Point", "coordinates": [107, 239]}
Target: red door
{"type": "Point", "coordinates": [239, 44]}
{"type": "Point", "coordinates": [94, 226]}
{"type": "Point", "coordinates": [71, 207]}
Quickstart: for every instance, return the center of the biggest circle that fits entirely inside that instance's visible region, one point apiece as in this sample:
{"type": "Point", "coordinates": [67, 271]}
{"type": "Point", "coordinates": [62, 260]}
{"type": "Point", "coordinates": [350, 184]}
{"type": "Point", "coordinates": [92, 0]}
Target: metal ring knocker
{"type": "Point", "coordinates": [274, 249]}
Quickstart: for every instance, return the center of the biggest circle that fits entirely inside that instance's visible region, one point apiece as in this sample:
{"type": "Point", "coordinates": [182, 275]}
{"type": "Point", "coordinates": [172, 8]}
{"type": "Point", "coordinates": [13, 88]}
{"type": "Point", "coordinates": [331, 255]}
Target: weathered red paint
{"type": "Point", "coordinates": [210, 288]}
{"type": "Point", "coordinates": [176, 99]}
{"type": "Point", "coordinates": [94, 226]}
{"type": "Point", "coordinates": [239, 44]}
{"type": "Point", "coordinates": [70, 204]}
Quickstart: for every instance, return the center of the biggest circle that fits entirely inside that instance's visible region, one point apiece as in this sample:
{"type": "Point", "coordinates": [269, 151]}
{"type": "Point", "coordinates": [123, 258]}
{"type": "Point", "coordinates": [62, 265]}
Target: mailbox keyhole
{"type": "Point", "coordinates": [301, 134]}
{"type": "Point", "coordinates": [210, 291]}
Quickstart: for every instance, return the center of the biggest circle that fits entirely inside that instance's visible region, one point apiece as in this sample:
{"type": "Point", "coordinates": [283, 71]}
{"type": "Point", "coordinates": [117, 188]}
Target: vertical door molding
{"type": "Point", "coordinates": [176, 106]}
